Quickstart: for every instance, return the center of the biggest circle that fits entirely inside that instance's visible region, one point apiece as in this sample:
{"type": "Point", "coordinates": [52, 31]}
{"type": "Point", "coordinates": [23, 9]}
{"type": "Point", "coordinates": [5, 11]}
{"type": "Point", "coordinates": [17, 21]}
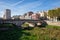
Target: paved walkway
{"type": "Point", "coordinates": [53, 23]}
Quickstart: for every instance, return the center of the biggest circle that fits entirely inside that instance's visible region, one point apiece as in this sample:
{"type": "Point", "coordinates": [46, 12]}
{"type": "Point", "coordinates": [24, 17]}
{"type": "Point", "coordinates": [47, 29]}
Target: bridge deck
{"type": "Point", "coordinates": [19, 20]}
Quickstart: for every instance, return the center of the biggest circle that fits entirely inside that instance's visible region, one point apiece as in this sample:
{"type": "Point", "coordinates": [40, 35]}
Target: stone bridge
{"type": "Point", "coordinates": [19, 22]}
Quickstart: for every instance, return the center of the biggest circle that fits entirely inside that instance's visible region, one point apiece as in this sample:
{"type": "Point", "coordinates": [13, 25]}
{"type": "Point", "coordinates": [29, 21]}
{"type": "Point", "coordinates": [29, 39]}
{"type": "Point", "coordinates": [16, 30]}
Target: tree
{"type": "Point", "coordinates": [52, 14]}
{"type": "Point", "coordinates": [58, 12]}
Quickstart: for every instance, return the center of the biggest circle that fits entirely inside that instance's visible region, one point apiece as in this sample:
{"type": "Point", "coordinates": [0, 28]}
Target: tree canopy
{"type": "Point", "coordinates": [54, 13]}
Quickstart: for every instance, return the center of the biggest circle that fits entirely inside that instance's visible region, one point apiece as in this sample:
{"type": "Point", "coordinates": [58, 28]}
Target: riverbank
{"type": "Point", "coordinates": [37, 33]}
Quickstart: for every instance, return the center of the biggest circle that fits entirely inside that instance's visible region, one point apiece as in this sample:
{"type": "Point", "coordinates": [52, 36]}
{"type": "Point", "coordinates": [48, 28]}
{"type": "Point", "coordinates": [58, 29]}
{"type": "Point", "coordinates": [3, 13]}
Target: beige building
{"type": "Point", "coordinates": [7, 14]}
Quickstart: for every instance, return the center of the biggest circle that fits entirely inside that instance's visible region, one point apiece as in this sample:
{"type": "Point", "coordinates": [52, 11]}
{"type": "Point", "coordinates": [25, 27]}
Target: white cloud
{"type": "Point", "coordinates": [3, 6]}
{"type": "Point", "coordinates": [20, 9]}
{"type": "Point", "coordinates": [28, 7]}
{"type": "Point", "coordinates": [1, 13]}
{"type": "Point", "coordinates": [17, 3]}
{"type": "Point", "coordinates": [8, 5]}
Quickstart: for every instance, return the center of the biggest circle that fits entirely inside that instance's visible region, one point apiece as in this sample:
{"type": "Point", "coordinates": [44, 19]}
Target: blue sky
{"type": "Point", "coordinates": [19, 7]}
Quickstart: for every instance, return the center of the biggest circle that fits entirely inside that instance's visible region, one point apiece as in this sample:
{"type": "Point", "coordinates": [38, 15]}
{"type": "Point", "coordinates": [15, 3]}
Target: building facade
{"type": "Point", "coordinates": [41, 13]}
{"type": "Point", "coordinates": [7, 14]}
{"type": "Point", "coordinates": [28, 15]}
{"type": "Point", "coordinates": [35, 16]}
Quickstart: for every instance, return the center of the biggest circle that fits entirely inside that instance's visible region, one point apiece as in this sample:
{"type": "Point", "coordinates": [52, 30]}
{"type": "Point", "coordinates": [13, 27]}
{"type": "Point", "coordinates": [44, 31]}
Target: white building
{"type": "Point", "coordinates": [22, 17]}
{"type": "Point", "coordinates": [41, 13]}
{"type": "Point", "coordinates": [7, 14]}
{"type": "Point", "coordinates": [27, 16]}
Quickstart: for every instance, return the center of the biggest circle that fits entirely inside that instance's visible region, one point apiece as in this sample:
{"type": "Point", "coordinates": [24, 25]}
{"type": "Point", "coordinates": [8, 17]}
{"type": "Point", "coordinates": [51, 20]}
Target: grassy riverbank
{"type": "Point", "coordinates": [37, 33]}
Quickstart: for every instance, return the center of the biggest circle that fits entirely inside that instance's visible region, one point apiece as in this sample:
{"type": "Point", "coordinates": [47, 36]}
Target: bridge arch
{"type": "Point", "coordinates": [20, 22]}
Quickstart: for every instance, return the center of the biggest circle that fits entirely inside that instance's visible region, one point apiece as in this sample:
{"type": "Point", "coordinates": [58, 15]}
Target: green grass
{"type": "Point", "coordinates": [37, 33]}
{"type": "Point", "coordinates": [53, 27]}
